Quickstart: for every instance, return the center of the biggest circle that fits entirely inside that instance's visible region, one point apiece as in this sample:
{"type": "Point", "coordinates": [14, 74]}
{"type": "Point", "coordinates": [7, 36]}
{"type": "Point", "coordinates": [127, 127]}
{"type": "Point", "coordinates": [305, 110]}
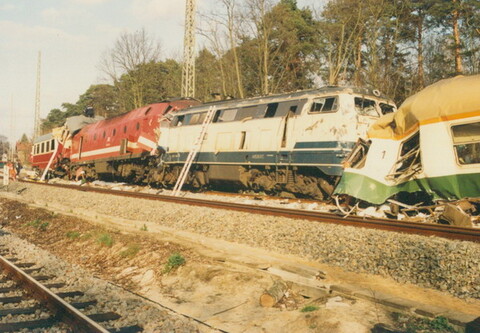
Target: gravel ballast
{"type": "Point", "coordinates": [133, 309]}
{"type": "Point", "coordinates": [445, 265]}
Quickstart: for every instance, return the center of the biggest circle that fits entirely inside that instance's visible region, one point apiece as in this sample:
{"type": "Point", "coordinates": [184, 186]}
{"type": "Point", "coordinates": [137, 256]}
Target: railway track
{"type": "Point", "coordinates": [32, 301]}
{"type": "Point", "coordinates": [426, 229]}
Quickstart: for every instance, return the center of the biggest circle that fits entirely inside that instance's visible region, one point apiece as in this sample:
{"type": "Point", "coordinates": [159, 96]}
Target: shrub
{"type": "Point", "coordinates": [174, 261]}
{"type": "Point", "coordinates": [105, 239]}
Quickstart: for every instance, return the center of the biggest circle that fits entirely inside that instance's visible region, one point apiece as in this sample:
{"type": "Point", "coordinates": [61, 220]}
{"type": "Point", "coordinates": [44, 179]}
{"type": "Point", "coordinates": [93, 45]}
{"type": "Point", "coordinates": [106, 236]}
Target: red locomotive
{"type": "Point", "coordinates": [118, 146]}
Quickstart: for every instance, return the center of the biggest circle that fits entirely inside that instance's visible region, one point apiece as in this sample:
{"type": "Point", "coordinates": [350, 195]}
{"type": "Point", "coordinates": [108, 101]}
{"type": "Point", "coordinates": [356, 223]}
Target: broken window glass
{"type": "Point", "coordinates": [366, 107]}
{"type": "Point", "coordinates": [325, 104]}
{"type": "Point", "coordinates": [466, 141]}
{"type": "Point", "coordinates": [409, 163]}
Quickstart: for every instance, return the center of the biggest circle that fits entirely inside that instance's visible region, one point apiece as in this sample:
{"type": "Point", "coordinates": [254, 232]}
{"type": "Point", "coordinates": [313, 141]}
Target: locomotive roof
{"type": "Point", "coordinates": [292, 95]}
{"type": "Point", "coordinates": [44, 137]}
{"type": "Point", "coordinates": [447, 99]}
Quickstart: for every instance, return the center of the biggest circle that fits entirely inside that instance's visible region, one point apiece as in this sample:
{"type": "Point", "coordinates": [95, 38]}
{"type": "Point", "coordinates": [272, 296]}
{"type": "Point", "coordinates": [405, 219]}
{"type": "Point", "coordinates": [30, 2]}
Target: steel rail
{"type": "Point", "coordinates": [417, 228]}
{"type": "Point", "coordinates": [62, 311]}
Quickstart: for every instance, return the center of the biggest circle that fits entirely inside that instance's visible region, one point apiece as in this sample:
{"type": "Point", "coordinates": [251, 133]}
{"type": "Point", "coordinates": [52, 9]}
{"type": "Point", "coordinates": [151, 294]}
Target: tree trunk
{"type": "Point", "coordinates": [421, 73]}
{"type": "Point", "coordinates": [456, 37]}
{"type": "Point", "coordinates": [273, 295]}
{"type": "Point", "coordinates": [358, 62]}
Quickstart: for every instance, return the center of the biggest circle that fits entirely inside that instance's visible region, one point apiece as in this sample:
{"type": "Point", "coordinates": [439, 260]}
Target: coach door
{"type": "Point", "coordinates": [80, 146]}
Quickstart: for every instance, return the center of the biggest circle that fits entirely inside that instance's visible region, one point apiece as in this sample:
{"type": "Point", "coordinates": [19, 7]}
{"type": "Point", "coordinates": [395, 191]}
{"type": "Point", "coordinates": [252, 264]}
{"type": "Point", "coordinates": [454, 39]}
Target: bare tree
{"type": "Point", "coordinates": [221, 31]}
{"type": "Point", "coordinates": [130, 51]}
{"type": "Point", "coordinates": [261, 30]}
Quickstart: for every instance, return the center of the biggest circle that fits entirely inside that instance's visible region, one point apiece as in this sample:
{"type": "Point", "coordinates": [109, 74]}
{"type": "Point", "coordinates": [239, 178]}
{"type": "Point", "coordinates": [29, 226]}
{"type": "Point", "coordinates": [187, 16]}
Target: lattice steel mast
{"type": "Point", "coordinates": [188, 73]}
{"type": "Point", "coordinates": [36, 128]}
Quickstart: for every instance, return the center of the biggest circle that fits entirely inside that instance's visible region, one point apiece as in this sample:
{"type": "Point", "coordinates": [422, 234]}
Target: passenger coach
{"type": "Point", "coordinates": [431, 145]}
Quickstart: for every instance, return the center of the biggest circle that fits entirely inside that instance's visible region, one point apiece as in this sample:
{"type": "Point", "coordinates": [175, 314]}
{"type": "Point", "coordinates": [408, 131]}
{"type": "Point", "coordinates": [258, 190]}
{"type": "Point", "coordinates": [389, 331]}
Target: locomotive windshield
{"type": "Point", "coordinates": [366, 107]}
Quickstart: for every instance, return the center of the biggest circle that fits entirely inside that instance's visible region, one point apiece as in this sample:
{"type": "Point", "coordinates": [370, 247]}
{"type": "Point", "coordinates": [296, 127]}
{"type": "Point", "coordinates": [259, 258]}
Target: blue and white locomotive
{"type": "Point", "coordinates": [293, 143]}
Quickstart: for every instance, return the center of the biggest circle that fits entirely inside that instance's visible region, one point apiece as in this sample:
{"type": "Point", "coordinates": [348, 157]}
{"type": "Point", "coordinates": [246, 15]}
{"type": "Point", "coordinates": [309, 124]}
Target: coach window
{"type": "Point", "coordinates": [271, 110]}
{"type": "Point", "coordinates": [324, 104]}
{"type": "Point", "coordinates": [52, 144]}
{"type": "Point", "coordinates": [366, 107]}
{"type": "Point", "coordinates": [43, 147]}
{"type": "Point", "coordinates": [138, 126]}
{"type": "Point", "coordinates": [409, 162]}
{"type": "Point", "coordinates": [125, 129]}
{"type": "Point", "coordinates": [114, 132]}
{"type": "Point", "coordinates": [466, 141]}
{"type": "Point", "coordinates": [95, 136]}
{"type": "Point", "coordinates": [104, 134]}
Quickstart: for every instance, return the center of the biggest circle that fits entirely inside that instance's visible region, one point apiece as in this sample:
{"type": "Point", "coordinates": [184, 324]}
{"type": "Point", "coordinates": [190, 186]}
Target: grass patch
{"type": "Point", "coordinates": [130, 251]}
{"type": "Point", "coordinates": [144, 227]}
{"type": "Point", "coordinates": [72, 234]}
{"type": "Point", "coordinates": [309, 308]}
{"type": "Point", "coordinates": [35, 223]}
{"type": "Point", "coordinates": [43, 226]}
{"type": "Point", "coordinates": [105, 239]}
{"type": "Point", "coordinates": [174, 261]}
{"type": "Point", "coordinates": [38, 224]}
{"type": "Point", "coordinates": [411, 324]}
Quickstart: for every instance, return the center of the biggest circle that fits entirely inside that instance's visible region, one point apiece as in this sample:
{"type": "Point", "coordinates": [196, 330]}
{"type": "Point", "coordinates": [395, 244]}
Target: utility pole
{"type": "Point", "coordinates": [12, 129]}
{"type": "Point", "coordinates": [188, 72]}
{"type": "Point", "coordinates": [36, 128]}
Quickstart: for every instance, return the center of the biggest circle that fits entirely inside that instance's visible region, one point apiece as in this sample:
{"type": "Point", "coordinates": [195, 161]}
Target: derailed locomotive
{"type": "Point", "coordinates": [293, 143]}
{"type": "Point", "coordinates": [430, 146]}
{"type": "Point", "coordinates": [105, 148]}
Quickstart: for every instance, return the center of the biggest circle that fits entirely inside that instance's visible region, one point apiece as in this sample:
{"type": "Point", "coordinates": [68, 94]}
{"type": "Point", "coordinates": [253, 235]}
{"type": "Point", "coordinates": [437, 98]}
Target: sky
{"type": "Point", "coordinates": [72, 36]}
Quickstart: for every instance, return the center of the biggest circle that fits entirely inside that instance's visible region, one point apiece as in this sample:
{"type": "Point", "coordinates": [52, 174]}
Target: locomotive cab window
{"type": "Point", "coordinates": [366, 107]}
{"type": "Point", "coordinates": [324, 104]}
{"type": "Point", "coordinates": [466, 141]}
{"type": "Point", "coordinates": [386, 108]}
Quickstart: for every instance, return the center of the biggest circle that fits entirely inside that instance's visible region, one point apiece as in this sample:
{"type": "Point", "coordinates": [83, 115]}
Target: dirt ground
{"type": "Point", "coordinates": [220, 292]}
